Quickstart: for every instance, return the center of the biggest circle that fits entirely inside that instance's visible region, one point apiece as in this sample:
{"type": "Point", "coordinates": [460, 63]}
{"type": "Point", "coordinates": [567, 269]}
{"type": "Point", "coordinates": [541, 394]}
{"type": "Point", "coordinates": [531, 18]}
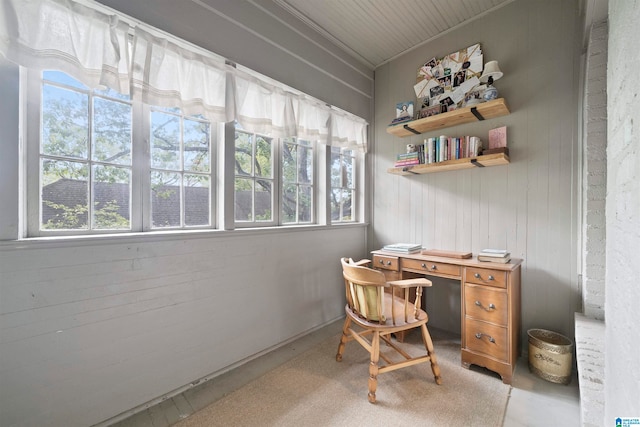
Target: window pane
{"type": "Point", "coordinates": [64, 194]}
{"type": "Point", "coordinates": [111, 200]}
{"type": "Point", "coordinates": [60, 77]}
{"type": "Point", "coordinates": [263, 157]}
{"type": "Point", "coordinates": [335, 169]}
{"type": "Point", "coordinates": [196, 146]}
{"type": "Point", "coordinates": [264, 201]}
{"type": "Point", "coordinates": [165, 199]}
{"type": "Point", "coordinates": [347, 197]}
{"type": "Point", "coordinates": [336, 198]}
{"type": "Point", "coordinates": [165, 141]}
{"type": "Point", "coordinates": [244, 199]}
{"type": "Point", "coordinates": [196, 200]}
{"type": "Point", "coordinates": [305, 203]}
{"type": "Point", "coordinates": [289, 203]}
{"type": "Point", "coordinates": [111, 131]}
{"type": "Point", "coordinates": [65, 122]}
{"type": "Point", "coordinates": [347, 171]}
{"type": "Point", "coordinates": [305, 165]}
{"type": "Point", "coordinates": [289, 163]}
{"type": "Point", "coordinates": [244, 154]}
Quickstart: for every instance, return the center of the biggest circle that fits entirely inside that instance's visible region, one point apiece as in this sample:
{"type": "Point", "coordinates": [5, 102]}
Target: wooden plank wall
{"type": "Point", "coordinates": [529, 206]}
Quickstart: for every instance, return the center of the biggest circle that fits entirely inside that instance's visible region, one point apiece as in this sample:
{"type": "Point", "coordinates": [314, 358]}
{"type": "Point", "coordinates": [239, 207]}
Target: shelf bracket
{"type": "Point", "coordinates": [409, 170]}
{"type": "Point", "coordinates": [475, 112]}
{"type": "Point", "coordinates": [476, 163]}
{"type": "Point", "coordinates": [410, 129]}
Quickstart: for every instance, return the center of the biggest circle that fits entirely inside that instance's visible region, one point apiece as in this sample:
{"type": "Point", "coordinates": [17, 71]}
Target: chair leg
{"type": "Point", "coordinates": [432, 355]}
{"type": "Point", "coordinates": [373, 366]}
{"type": "Point", "coordinates": [343, 339]}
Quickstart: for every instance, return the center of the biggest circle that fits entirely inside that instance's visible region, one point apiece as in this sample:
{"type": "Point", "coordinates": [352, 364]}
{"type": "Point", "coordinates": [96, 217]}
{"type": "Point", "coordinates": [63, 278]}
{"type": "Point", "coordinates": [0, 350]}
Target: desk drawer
{"type": "Point", "coordinates": [429, 267]}
{"type": "Point", "coordinates": [386, 262]}
{"type": "Point", "coordinates": [486, 338]}
{"type": "Point", "coordinates": [484, 303]}
{"type": "Point", "coordinates": [486, 276]}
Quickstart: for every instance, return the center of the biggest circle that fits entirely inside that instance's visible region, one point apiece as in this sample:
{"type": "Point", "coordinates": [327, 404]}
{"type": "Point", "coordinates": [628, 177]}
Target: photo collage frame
{"type": "Point", "coordinates": [450, 82]}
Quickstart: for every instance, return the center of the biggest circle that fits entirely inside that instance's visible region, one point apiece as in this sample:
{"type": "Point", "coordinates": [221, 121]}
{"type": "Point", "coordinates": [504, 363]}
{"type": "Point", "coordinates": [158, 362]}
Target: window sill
{"type": "Point", "coordinates": [154, 236]}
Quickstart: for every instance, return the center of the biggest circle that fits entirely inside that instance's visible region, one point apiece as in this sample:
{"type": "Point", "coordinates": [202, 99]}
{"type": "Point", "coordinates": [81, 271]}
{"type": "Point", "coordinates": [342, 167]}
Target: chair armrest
{"type": "Point", "coordinates": [362, 262]}
{"type": "Point", "coordinates": [410, 283]}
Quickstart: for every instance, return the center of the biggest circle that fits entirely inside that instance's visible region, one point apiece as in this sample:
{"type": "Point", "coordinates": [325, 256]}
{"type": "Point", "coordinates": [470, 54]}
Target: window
{"type": "Point", "coordinates": [125, 139]}
{"type": "Point", "coordinates": [85, 162]}
{"type": "Point", "coordinates": [343, 187]}
{"type": "Point", "coordinates": [254, 179]}
{"type": "Point", "coordinates": [91, 164]}
{"type": "Point", "coordinates": [261, 183]}
{"type": "Point", "coordinates": [297, 182]}
{"type": "Point", "coordinates": [180, 170]}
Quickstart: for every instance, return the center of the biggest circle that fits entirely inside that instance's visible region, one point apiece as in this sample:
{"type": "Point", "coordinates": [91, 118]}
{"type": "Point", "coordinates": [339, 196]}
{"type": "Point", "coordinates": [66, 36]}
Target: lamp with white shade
{"type": "Point", "coordinates": [491, 73]}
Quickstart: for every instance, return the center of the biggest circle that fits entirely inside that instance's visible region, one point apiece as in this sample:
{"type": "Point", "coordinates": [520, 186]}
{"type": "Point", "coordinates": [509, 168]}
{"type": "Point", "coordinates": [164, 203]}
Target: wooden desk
{"type": "Point", "coordinates": [490, 304]}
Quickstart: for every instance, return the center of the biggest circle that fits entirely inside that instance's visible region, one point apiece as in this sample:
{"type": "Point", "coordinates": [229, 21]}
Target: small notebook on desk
{"type": "Point", "coordinates": [405, 248]}
{"type": "Point", "coordinates": [494, 255]}
{"type": "Point", "coordinates": [446, 254]}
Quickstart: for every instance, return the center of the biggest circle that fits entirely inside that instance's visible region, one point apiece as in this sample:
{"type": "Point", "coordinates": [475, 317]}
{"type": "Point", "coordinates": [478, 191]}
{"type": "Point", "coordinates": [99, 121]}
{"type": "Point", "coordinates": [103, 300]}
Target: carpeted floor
{"type": "Point", "coordinates": [315, 390]}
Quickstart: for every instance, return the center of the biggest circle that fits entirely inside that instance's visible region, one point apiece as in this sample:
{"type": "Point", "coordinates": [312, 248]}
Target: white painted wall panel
{"type": "Point", "coordinates": [256, 38]}
{"type": "Point", "coordinates": [91, 330]}
{"type": "Point", "coordinates": [528, 206]}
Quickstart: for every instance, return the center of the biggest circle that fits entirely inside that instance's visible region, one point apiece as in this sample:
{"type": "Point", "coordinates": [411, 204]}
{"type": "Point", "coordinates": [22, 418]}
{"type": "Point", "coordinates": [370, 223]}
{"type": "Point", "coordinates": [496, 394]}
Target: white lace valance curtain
{"type": "Point", "coordinates": [168, 75]}
{"type": "Point", "coordinates": [263, 107]}
{"type": "Point", "coordinates": [94, 47]}
{"type": "Point", "coordinates": [67, 36]}
{"type": "Point", "coordinates": [312, 120]}
{"type": "Point", "coordinates": [348, 132]}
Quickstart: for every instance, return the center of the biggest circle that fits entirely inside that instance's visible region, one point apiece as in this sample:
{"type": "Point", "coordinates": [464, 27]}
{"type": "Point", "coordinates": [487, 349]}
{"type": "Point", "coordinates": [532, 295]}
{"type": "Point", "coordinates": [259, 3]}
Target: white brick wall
{"type": "Point", "coordinates": [622, 335]}
{"type": "Point", "coordinates": [594, 178]}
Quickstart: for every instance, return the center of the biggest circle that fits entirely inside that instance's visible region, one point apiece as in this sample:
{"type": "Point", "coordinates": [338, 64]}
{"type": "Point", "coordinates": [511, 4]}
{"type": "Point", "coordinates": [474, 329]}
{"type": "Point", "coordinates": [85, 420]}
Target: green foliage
{"type": "Point", "coordinates": [109, 218]}
{"type": "Point", "coordinates": [75, 217]}
{"type": "Point", "coordinates": [69, 218]}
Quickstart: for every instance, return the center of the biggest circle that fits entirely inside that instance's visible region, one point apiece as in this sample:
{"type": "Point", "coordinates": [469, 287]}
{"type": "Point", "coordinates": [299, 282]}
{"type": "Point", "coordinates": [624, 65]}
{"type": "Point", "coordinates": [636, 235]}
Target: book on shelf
{"type": "Point", "coordinates": [406, 248]}
{"type": "Point", "coordinates": [440, 149]}
{"type": "Point", "coordinates": [500, 150]}
{"type": "Point", "coordinates": [498, 137]}
{"type": "Point", "coordinates": [407, 162]}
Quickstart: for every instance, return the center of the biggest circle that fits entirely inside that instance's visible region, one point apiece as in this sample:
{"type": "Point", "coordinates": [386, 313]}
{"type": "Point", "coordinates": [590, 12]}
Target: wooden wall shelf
{"type": "Point", "coordinates": [449, 165]}
{"type": "Point", "coordinates": [485, 110]}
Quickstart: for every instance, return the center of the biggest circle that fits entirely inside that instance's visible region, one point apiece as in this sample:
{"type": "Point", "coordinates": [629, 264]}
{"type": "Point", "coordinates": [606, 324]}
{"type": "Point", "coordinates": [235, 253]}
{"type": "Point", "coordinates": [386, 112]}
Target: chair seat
{"type": "Point", "coordinates": [396, 319]}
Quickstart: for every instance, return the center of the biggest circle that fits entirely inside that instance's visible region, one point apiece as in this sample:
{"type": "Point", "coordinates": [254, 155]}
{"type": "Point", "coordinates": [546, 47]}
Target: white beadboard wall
{"type": "Point", "coordinates": [530, 206]}
{"type": "Point", "coordinates": [92, 330]}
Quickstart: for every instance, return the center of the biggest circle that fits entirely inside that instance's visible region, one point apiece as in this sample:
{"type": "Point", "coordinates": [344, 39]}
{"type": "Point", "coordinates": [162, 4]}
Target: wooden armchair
{"type": "Point", "coordinates": [379, 314]}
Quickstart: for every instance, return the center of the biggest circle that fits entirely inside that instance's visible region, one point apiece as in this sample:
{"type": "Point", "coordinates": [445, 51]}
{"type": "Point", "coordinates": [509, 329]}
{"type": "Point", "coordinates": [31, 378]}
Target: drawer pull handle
{"type": "Point", "coordinates": [423, 265]}
{"type": "Point", "coordinates": [388, 262]}
{"type": "Point", "coordinates": [490, 308]}
{"type": "Point", "coordinates": [381, 262]}
{"type": "Point", "coordinates": [433, 267]}
{"type": "Point", "coordinates": [480, 334]}
{"type": "Point", "coordinates": [491, 277]}
{"type": "Point", "coordinates": [477, 275]}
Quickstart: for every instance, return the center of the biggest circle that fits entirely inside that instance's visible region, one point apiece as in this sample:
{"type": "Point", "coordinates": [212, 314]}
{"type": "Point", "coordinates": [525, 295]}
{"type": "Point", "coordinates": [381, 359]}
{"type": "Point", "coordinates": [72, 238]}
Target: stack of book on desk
{"type": "Point", "coordinates": [405, 248]}
{"type": "Point", "coordinates": [494, 255]}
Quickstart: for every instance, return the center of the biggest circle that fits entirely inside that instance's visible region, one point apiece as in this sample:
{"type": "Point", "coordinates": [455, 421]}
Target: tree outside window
{"type": "Point", "coordinates": [297, 182]}
{"type": "Point", "coordinates": [343, 188]}
{"type": "Point", "coordinates": [254, 180]}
